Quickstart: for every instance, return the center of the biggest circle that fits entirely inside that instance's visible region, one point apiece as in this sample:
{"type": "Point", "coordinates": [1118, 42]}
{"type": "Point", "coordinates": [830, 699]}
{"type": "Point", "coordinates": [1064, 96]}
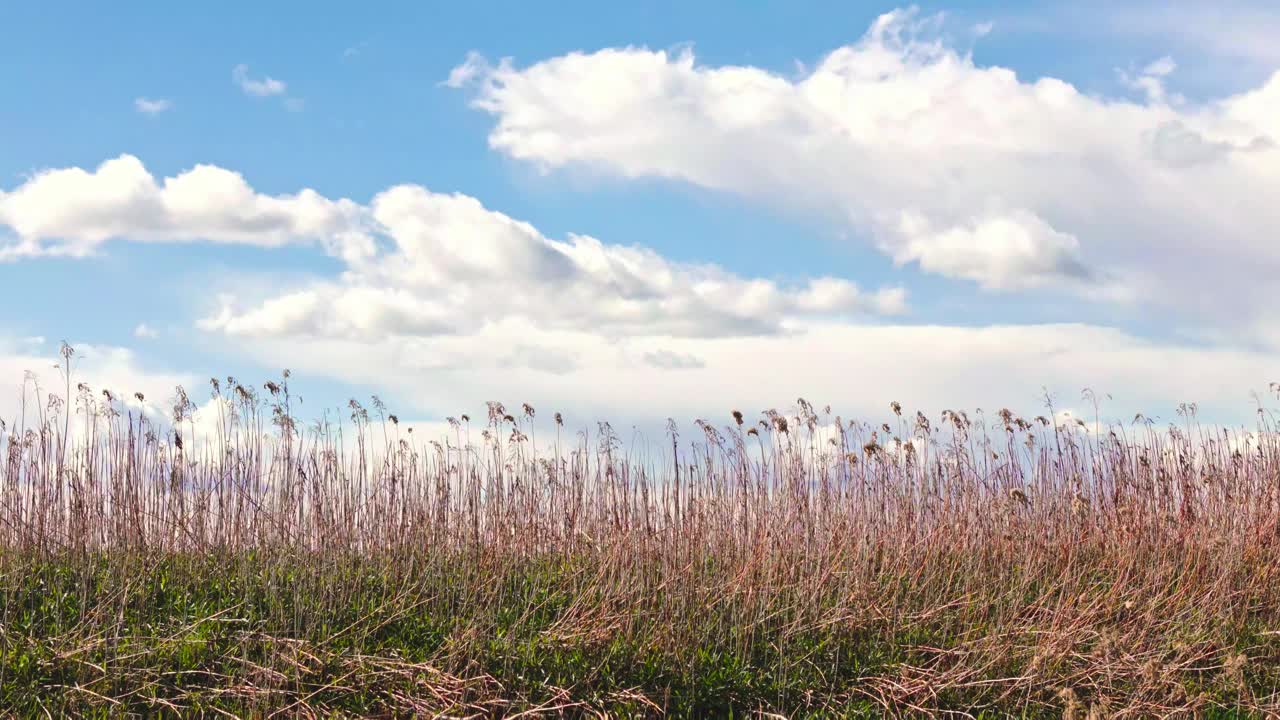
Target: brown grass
{"type": "Point", "coordinates": [795, 564]}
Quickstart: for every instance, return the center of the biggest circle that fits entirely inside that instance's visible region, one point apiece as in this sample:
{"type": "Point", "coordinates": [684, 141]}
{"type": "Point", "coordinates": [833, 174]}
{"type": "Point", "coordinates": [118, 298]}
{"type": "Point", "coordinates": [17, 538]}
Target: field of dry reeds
{"type": "Point", "coordinates": [796, 564]}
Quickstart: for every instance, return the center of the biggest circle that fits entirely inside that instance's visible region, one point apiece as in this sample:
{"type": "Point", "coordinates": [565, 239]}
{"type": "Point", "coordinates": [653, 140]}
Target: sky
{"type": "Point", "coordinates": [647, 211]}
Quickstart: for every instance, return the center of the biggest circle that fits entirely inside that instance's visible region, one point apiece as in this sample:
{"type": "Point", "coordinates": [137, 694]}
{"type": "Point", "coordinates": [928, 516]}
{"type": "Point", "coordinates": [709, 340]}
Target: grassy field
{"type": "Point", "coordinates": [799, 565]}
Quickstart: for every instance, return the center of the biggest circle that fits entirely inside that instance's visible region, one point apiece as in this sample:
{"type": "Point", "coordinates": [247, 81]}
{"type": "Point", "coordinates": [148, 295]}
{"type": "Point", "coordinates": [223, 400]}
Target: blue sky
{"type": "Point", "coordinates": [995, 229]}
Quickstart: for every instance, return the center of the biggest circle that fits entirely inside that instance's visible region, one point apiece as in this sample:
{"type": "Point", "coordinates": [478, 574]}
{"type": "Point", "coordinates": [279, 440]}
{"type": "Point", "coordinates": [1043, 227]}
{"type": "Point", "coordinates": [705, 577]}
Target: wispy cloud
{"type": "Point", "coordinates": [149, 106]}
{"type": "Point", "coordinates": [1224, 46]}
{"type": "Point", "coordinates": [354, 50]}
{"type": "Point", "coordinates": [1236, 29]}
{"type": "Point", "coordinates": [668, 360]}
{"type": "Point", "coordinates": [145, 332]}
{"type": "Point", "coordinates": [473, 67]}
{"type": "Point", "coordinates": [264, 87]}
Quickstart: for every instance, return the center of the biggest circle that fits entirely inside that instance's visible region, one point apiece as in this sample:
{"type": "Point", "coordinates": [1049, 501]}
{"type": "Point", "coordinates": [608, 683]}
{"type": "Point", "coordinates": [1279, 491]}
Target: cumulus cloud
{"type": "Point", "coordinates": [71, 211]}
{"type": "Point", "coordinates": [448, 265]}
{"type": "Point", "coordinates": [263, 87]}
{"type": "Point", "coordinates": [999, 252]}
{"type": "Point", "coordinates": [148, 106]}
{"type": "Point", "coordinates": [418, 263]}
{"type": "Point", "coordinates": [145, 331]}
{"type": "Point", "coordinates": [1178, 146]}
{"type": "Point", "coordinates": [967, 171]}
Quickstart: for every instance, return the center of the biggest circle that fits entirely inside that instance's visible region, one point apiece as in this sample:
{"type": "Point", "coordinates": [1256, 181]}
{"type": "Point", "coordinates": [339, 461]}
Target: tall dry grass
{"type": "Point", "coordinates": [787, 563]}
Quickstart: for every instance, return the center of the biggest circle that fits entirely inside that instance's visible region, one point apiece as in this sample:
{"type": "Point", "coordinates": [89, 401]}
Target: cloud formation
{"type": "Point", "coordinates": [857, 368]}
{"type": "Point", "coordinates": [71, 211]}
{"type": "Point", "coordinates": [417, 263]}
{"type": "Point", "coordinates": [961, 170]}
{"type": "Point", "coordinates": [149, 106]}
{"type": "Point", "coordinates": [263, 87]}
{"type": "Point", "coordinates": [1237, 34]}
{"type": "Point", "coordinates": [99, 367]}
{"type": "Point", "coordinates": [446, 265]}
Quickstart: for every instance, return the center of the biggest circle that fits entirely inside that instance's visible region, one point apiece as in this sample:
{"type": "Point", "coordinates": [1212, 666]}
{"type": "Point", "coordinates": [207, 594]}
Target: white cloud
{"type": "Point", "coordinates": [148, 106]}
{"type": "Point", "coordinates": [1151, 81]}
{"type": "Point", "coordinates": [1161, 67]}
{"type": "Point", "coordinates": [999, 252]}
{"type": "Point", "coordinates": [99, 367]}
{"type": "Point", "coordinates": [264, 87]}
{"type": "Point", "coordinates": [1234, 30]}
{"type": "Point", "coordinates": [1007, 182]}
{"type": "Point", "coordinates": [856, 368]}
{"type": "Point", "coordinates": [145, 332]}
{"type": "Point", "coordinates": [1175, 145]}
{"type": "Point", "coordinates": [474, 66]}
{"type": "Point", "coordinates": [673, 360]}
{"type": "Point", "coordinates": [418, 263]}
{"type": "Point", "coordinates": [450, 266]}
{"type": "Point", "coordinates": [71, 211]}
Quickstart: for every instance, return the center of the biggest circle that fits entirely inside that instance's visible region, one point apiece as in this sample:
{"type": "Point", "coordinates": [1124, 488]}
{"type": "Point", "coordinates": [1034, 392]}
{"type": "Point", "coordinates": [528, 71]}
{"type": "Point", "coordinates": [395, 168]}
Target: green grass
{"type": "Point", "coordinates": [240, 634]}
